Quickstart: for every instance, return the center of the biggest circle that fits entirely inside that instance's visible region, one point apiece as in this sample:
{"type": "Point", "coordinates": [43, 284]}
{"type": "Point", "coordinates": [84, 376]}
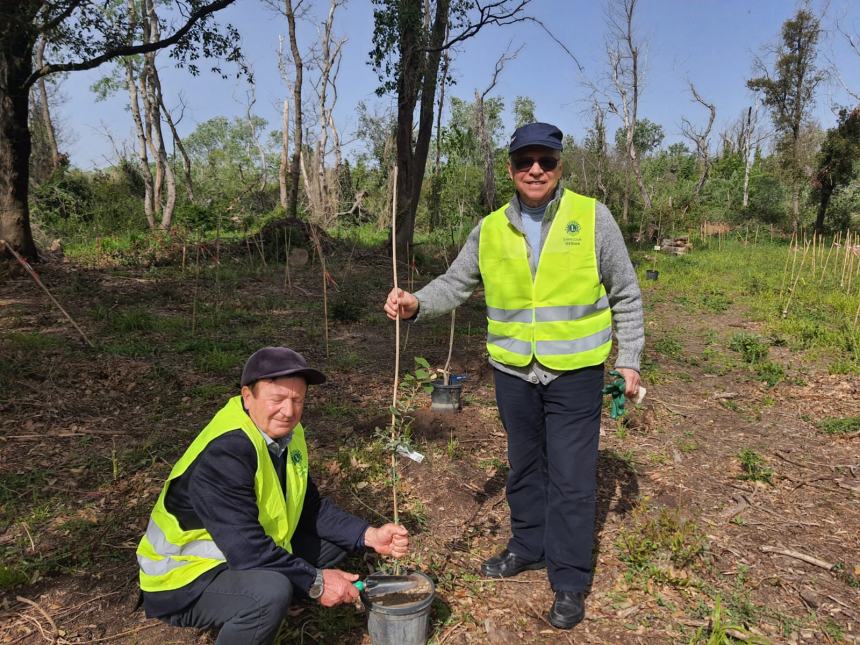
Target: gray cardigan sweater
{"type": "Point", "coordinates": [616, 272]}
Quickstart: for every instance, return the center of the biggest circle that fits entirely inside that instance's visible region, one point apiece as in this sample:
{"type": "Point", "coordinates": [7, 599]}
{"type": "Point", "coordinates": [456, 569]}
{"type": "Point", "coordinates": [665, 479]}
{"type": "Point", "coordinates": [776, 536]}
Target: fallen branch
{"type": "Point", "coordinates": [797, 555]}
{"type": "Point", "coordinates": [38, 607]}
{"type": "Point", "coordinates": [670, 408]}
{"type": "Point", "coordinates": [128, 632]}
{"type": "Point", "coordinates": [29, 269]}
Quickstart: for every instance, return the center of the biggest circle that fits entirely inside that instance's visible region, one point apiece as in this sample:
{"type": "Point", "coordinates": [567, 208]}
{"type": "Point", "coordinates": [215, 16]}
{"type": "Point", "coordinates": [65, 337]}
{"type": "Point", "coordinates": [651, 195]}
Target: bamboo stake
{"type": "Point", "coordinates": [814, 239]}
{"type": "Point", "coordinates": [833, 243]}
{"type": "Point", "coordinates": [288, 283]}
{"type": "Point", "coordinates": [34, 275]}
{"type": "Point", "coordinates": [196, 284]}
{"type": "Point", "coordinates": [785, 268]}
{"type": "Point", "coordinates": [446, 374]}
{"type": "Point", "coordinates": [396, 355]}
{"type": "Point", "coordinates": [845, 257]}
{"type": "Point", "coordinates": [796, 280]}
{"type": "Point", "coordinates": [318, 246]}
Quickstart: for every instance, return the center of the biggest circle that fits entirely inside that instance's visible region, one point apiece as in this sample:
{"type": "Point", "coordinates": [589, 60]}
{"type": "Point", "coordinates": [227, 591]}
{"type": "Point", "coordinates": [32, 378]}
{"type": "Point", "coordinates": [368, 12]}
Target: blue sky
{"type": "Point", "coordinates": [711, 42]}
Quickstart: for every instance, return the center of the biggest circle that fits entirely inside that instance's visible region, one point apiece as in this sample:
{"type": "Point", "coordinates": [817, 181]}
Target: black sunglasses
{"type": "Point", "coordinates": [525, 163]}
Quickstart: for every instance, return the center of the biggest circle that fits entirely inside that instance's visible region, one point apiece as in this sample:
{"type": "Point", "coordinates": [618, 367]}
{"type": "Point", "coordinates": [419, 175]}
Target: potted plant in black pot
{"type": "Point", "coordinates": [445, 395]}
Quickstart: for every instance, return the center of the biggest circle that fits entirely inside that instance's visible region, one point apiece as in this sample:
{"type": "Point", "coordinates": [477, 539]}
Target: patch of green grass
{"type": "Point", "coordinates": [669, 346]}
{"type": "Point", "coordinates": [212, 391]}
{"type": "Point", "coordinates": [754, 467]}
{"type": "Point", "coordinates": [132, 346]}
{"type": "Point", "coordinates": [31, 341]}
{"type": "Point", "coordinates": [661, 544]}
{"type": "Point", "coordinates": [839, 425]}
{"type": "Point", "coordinates": [833, 630]}
{"type": "Point", "coordinates": [12, 575]}
{"type": "Point", "coordinates": [770, 372]}
{"type": "Point", "coordinates": [715, 301]}
{"type": "Point", "coordinates": [752, 347]}
{"type": "Point", "coordinates": [717, 631]}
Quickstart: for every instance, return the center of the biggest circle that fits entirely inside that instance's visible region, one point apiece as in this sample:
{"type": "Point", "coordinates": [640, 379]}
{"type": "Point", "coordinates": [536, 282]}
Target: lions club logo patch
{"type": "Point", "coordinates": [573, 228]}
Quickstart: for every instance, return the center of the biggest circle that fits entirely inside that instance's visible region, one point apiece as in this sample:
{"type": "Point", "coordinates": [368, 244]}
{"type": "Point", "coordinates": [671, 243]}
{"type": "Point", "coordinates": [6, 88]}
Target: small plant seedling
{"type": "Point", "coordinates": [754, 468]}
{"type": "Point", "coordinates": [753, 348]}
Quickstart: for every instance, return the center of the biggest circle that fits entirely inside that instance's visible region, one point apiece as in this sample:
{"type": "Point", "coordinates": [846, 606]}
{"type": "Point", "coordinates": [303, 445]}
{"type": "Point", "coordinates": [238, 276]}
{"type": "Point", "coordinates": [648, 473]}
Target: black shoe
{"type": "Point", "coordinates": [508, 564]}
{"type": "Point", "coordinates": [568, 609]}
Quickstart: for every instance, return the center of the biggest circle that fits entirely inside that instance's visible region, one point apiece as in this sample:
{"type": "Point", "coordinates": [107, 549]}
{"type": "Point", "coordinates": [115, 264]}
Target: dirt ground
{"type": "Point", "coordinates": [88, 435]}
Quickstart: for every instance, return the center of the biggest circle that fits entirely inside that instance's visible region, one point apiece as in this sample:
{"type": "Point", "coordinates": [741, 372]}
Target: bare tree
{"type": "Point", "coordinates": [700, 139]}
{"type": "Point", "coordinates": [293, 194]}
{"type": "Point", "coordinates": [284, 166]}
{"type": "Point", "coordinates": [484, 139]}
{"type": "Point", "coordinates": [595, 148]}
{"type": "Point", "coordinates": [323, 194]}
{"type": "Point", "coordinates": [626, 76]}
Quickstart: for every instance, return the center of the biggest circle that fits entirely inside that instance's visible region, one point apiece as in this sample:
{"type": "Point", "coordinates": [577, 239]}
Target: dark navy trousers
{"type": "Point", "coordinates": [553, 433]}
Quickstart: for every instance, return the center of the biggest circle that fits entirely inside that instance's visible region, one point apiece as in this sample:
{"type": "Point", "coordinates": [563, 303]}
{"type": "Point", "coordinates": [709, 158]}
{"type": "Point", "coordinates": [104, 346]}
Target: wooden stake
{"type": "Point", "coordinates": [396, 355]}
{"type": "Point", "coordinates": [196, 283]}
{"type": "Point", "coordinates": [785, 268]}
{"type": "Point", "coordinates": [833, 243]}
{"type": "Point", "coordinates": [34, 275]}
{"type": "Point", "coordinates": [287, 280]}
{"type": "Point", "coordinates": [796, 280]}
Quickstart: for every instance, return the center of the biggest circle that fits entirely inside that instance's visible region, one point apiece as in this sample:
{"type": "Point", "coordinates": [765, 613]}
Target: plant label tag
{"type": "Point", "coordinates": [415, 456]}
{"type": "Point", "coordinates": [640, 395]}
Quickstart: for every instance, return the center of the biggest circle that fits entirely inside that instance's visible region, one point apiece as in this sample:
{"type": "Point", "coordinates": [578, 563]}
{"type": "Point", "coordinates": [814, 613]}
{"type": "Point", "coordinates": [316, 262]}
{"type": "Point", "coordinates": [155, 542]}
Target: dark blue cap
{"type": "Point", "coordinates": [535, 134]}
{"type": "Point", "coordinates": [274, 362]}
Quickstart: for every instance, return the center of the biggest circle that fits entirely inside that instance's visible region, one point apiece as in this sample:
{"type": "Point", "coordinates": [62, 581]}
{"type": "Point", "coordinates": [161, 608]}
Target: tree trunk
{"type": "Point", "coordinates": [142, 156]}
{"type": "Point", "coordinates": [418, 68]}
{"type": "Point", "coordinates": [47, 122]}
{"type": "Point", "coordinates": [826, 192]}
{"type": "Point", "coordinates": [15, 66]}
{"type": "Point", "coordinates": [283, 168]}
{"type": "Point", "coordinates": [177, 145]}
{"type": "Point", "coordinates": [293, 197]}
{"type": "Point", "coordinates": [486, 154]}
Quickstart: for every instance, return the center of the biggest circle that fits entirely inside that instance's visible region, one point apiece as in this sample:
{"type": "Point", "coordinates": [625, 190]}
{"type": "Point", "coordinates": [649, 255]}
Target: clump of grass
{"type": "Point", "coordinates": [670, 347]}
{"type": "Point", "coordinates": [754, 467]}
{"type": "Point", "coordinates": [839, 425]}
{"type": "Point", "coordinates": [31, 341]}
{"type": "Point", "coordinates": [661, 545]}
{"type": "Point", "coordinates": [751, 346]}
{"type": "Point", "coordinates": [720, 631]}
{"type": "Point", "coordinates": [770, 372]}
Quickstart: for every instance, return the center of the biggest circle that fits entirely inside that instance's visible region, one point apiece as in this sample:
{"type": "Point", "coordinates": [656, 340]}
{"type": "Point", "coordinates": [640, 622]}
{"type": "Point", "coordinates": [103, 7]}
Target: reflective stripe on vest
{"type": "Point", "coordinates": [561, 315]}
{"type": "Point", "coordinates": [170, 557]}
{"type": "Point", "coordinates": [173, 553]}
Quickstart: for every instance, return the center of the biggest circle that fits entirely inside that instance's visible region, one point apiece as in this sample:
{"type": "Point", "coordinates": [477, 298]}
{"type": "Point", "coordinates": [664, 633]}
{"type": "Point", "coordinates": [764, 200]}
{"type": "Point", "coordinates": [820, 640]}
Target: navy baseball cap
{"type": "Point", "coordinates": [274, 362]}
{"type": "Point", "coordinates": [535, 134]}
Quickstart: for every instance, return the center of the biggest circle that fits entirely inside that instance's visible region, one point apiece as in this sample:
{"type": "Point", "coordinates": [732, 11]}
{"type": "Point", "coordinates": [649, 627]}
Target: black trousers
{"type": "Point", "coordinates": [553, 433]}
{"type": "Point", "coordinates": [249, 605]}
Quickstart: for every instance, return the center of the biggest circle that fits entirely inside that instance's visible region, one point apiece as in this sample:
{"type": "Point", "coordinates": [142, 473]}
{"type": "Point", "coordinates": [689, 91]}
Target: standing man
{"type": "Point", "coordinates": [240, 527]}
{"type": "Point", "coordinates": [556, 275]}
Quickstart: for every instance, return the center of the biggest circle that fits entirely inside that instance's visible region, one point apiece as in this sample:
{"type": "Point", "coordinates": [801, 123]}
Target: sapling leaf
{"type": "Point", "coordinates": [422, 375]}
{"type": "Point", "coordinates": [420, 360]}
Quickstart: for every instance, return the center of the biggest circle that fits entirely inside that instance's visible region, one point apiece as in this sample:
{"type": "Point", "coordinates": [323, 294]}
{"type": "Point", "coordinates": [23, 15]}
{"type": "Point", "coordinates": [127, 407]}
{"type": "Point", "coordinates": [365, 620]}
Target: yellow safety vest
{"type": "Point", "coordinates": [562, 316]}
{"type": "Point", "coordinates": [170, 557]}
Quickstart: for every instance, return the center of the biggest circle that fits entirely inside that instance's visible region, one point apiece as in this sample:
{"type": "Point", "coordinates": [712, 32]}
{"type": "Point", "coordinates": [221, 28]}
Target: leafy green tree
{"type": "Point", "coordinates": [789, 92]}
{"type": "Point", "coordinates": [524, 111]}
{"type": "Point", "coordinates": [81, 35]}
{"type": "Point", "coordinates": [647, 137]}
{"type": "Point", "coordinates": [836, 161]}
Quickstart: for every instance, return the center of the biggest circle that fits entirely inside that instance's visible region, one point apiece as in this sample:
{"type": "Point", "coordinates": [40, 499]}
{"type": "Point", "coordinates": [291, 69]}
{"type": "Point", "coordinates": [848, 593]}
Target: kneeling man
{"type": "Point", "coordinates": [240, 528]}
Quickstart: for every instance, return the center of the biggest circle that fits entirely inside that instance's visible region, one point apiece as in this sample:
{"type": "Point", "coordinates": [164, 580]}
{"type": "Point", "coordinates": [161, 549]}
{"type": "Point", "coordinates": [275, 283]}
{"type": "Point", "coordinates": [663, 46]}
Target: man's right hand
{"type": "Point", "coordinates": [338, 588]}
{"type": "Point", "coordinates": [407, 303]}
